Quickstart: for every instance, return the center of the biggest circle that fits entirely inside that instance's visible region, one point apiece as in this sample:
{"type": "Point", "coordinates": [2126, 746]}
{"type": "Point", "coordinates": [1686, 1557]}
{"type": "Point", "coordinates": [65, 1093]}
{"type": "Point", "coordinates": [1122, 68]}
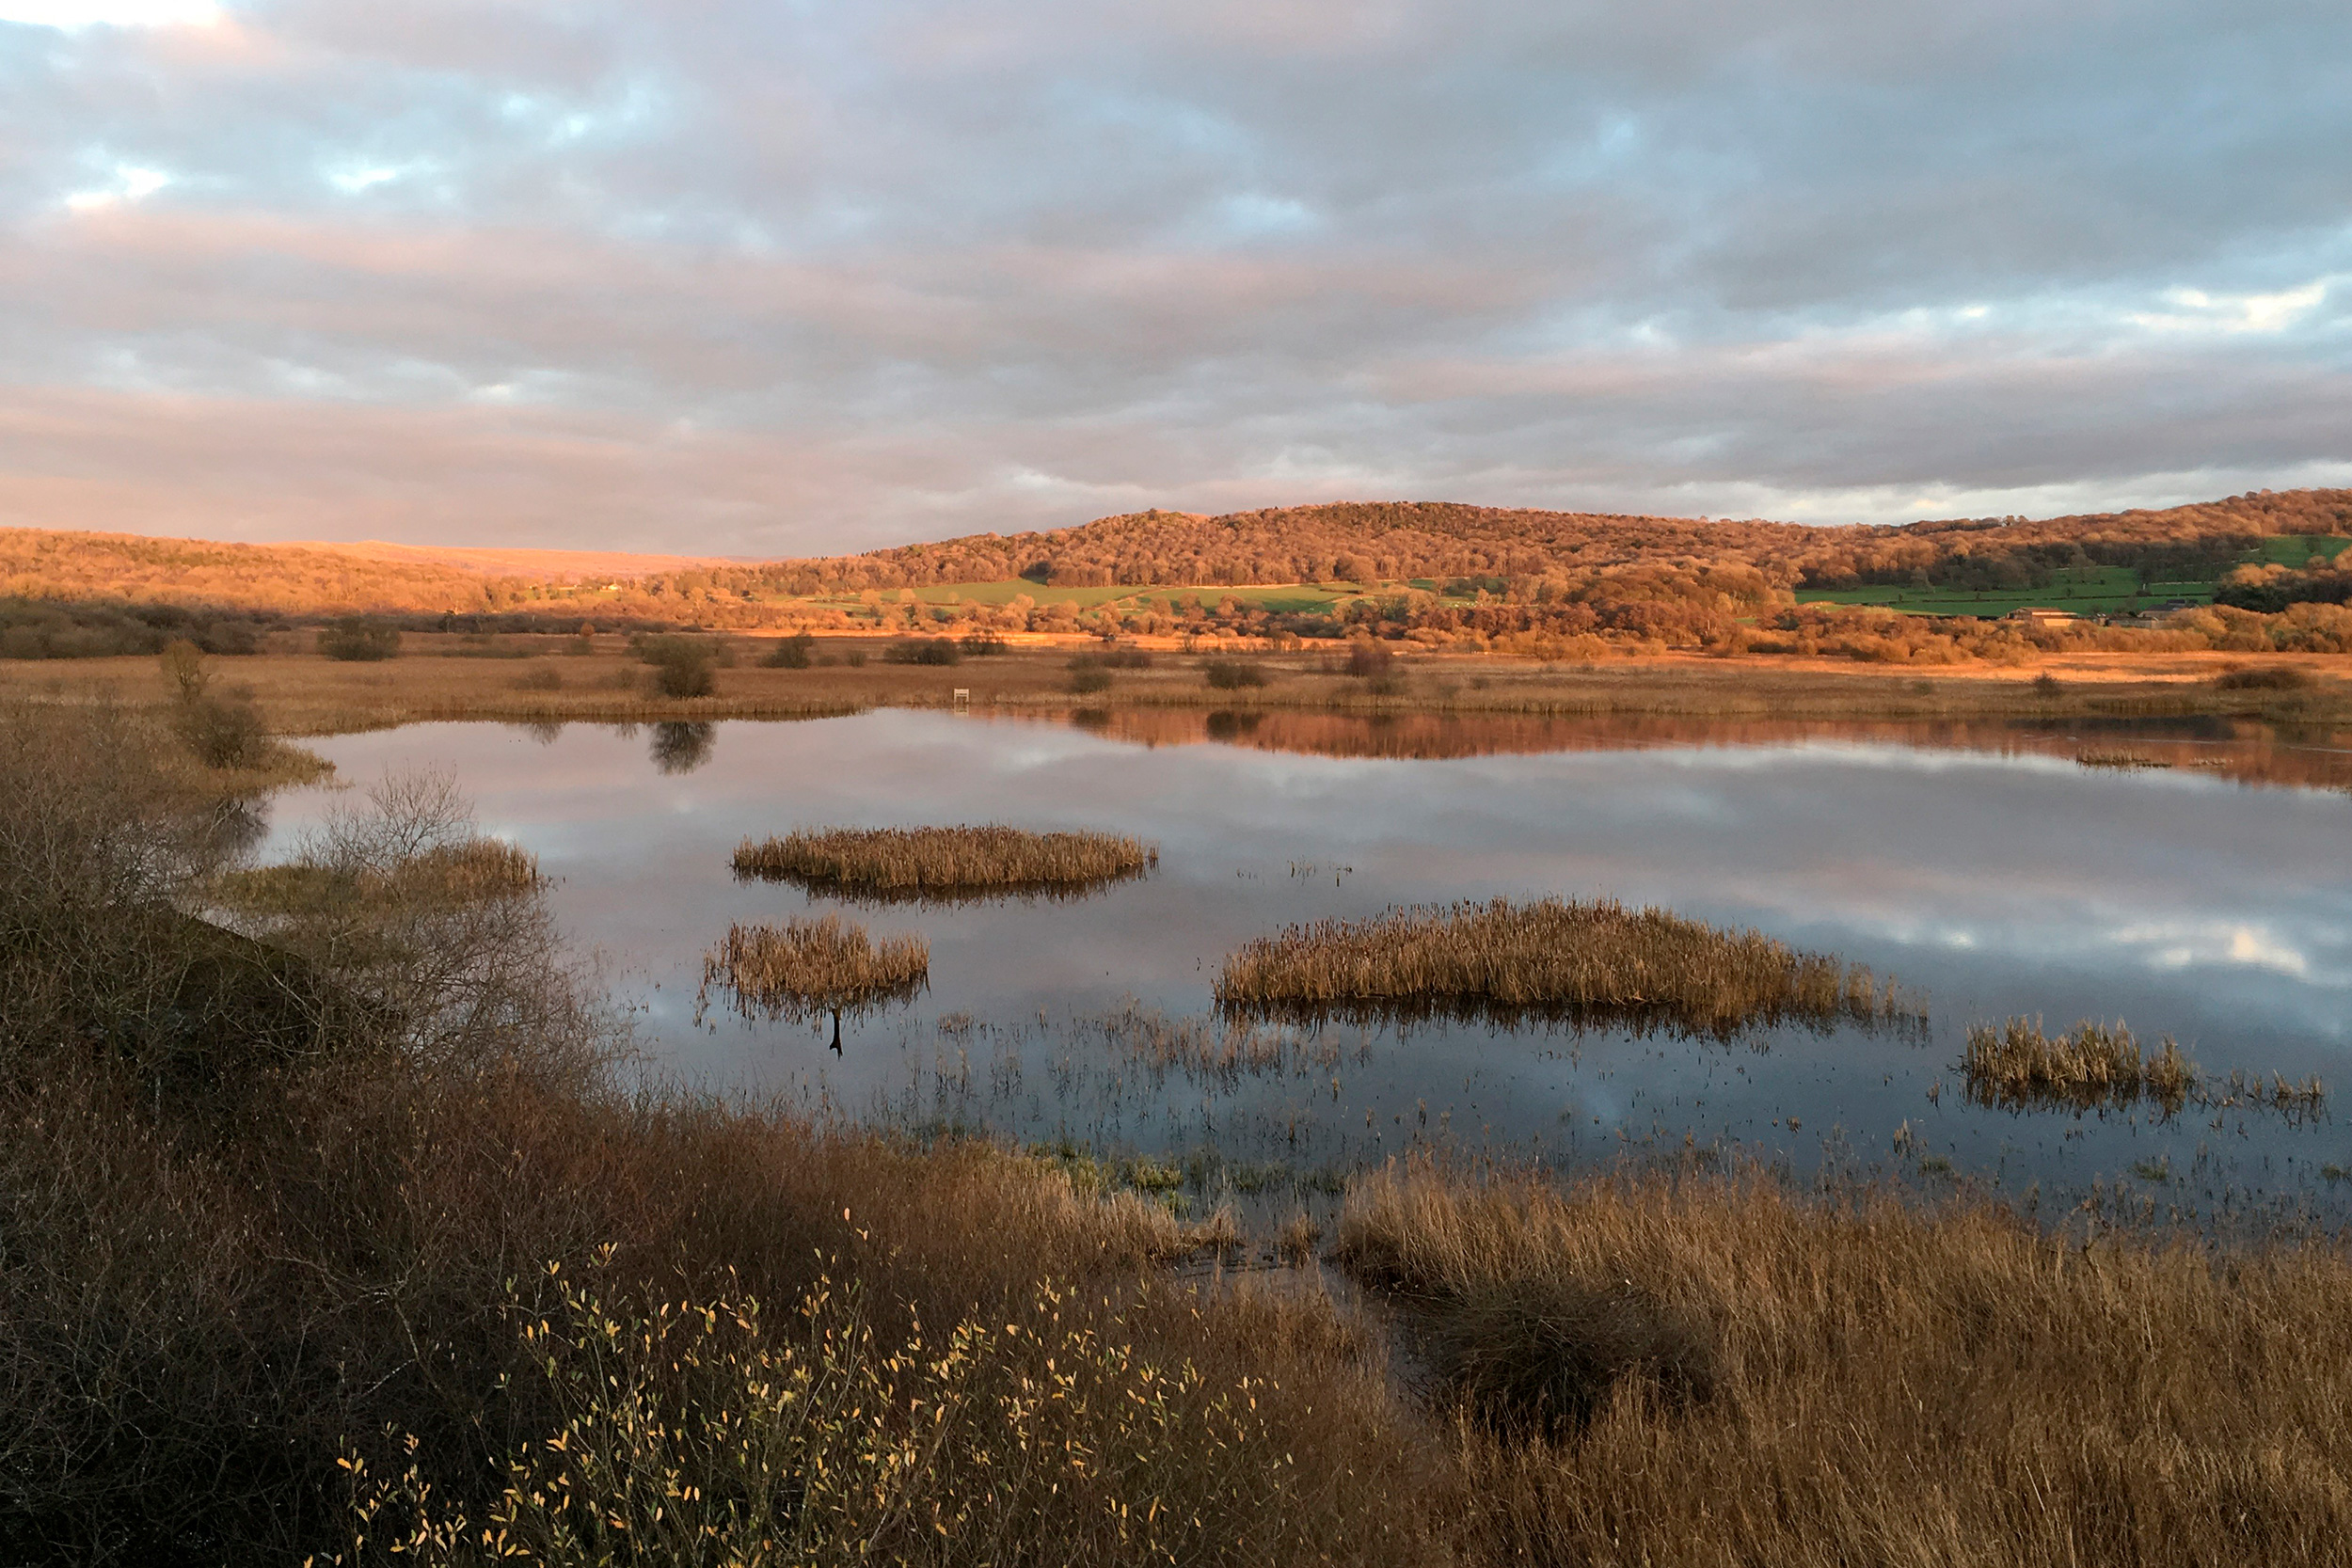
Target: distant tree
{"type": "Point", "coordinates": [791, 652]}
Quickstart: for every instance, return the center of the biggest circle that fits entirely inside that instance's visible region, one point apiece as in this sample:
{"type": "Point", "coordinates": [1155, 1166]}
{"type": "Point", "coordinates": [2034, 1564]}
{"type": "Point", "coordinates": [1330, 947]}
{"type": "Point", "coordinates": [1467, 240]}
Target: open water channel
{"type": "Point", "coordinates": [1986, 870]}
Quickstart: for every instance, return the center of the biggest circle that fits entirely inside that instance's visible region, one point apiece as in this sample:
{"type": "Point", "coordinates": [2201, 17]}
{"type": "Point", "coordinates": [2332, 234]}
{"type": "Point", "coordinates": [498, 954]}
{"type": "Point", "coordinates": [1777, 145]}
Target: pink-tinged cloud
{"type": "Point", "coordinates": [744, 278]}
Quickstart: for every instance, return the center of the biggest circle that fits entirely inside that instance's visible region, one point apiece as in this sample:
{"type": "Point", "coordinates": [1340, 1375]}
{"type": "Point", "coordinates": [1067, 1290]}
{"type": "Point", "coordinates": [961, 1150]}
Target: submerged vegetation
{"type": "Point", "coordinates": [1590, 961]}
{"type": "Point", "coordinates": [2098, 1064]}
{"type": "Point", "coordinates": [944, 863]}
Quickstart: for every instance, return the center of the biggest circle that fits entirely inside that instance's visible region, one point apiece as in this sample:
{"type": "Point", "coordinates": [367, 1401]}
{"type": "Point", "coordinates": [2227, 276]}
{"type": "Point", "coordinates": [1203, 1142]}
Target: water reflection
{"type": "Point", "coordinates": [2245, 750]}
{"type": "Point", "coordinates": [681, 747]}
{"type": "Point", "coordinates": [2001, 878]}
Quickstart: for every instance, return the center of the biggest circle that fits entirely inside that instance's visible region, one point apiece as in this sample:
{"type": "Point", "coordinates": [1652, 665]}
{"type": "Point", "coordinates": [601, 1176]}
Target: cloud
{"type": "Point", "coordinates": [743, 277]}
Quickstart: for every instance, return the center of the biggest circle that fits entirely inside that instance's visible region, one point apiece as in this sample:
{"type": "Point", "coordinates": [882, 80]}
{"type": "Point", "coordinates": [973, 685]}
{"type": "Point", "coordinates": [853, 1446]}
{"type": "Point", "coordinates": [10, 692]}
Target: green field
{"type": "Point", "coordinates": [2084, 590]}
{"type": "Point", "coordinates": [2293, 550]}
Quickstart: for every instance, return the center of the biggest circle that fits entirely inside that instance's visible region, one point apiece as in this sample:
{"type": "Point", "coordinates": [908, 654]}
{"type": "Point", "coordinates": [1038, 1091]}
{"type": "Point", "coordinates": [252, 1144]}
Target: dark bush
{"type": "Point", "coordinates": [682, 666]}
{"type": "Point", "coordinates": [685, 675]}
{"type": "Point", "coordinates": [358, 640]}
{"type": "Point", "coordinates": [979, 645]}
{"type": "Point", "coordinates": [923, 650]}
{"type": "Point", "coordinates": [1089, 680]}
{"type": "Point", "coordinates": [223, 732]}
{"type": "Point", "coordinates": [791, 653]}
{"type": "Point", "coordinates": [1367, 657]}
{"type": "Point", "coordinates": [1231, 675]}
{"type": "Point", "coordinates": [2267, 677]}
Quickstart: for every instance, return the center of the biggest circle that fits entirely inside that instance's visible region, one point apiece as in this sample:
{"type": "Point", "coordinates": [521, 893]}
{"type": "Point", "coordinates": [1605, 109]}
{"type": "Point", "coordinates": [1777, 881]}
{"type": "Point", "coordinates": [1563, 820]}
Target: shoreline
{"type": "Point", "coordinates": [303, 694]}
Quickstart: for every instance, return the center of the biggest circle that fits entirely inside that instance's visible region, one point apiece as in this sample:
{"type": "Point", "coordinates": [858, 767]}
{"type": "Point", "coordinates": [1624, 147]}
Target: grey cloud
{"type": "Point", "coordinates": [743, 276]}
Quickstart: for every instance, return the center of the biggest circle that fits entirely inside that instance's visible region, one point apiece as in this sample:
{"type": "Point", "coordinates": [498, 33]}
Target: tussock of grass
{"type": "Point", "coordinates": [960, 863]}
{"type": "Point", "coordinates": [2017, 1064]}
{"type": "Point", "coordinates": [1597, 961]}
{"type": "Point", "coordinates": [805, 969]}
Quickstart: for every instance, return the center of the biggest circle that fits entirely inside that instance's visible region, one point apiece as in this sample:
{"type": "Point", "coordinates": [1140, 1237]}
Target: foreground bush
{"type": "Point", "coordinates": [944, 862]}
{"type": "Point", "coordinates": [714, 1432]}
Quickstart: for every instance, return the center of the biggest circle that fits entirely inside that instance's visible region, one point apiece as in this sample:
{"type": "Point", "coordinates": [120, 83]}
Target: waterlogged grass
{"type": "Point", "coordinates": [944, 864]}
{"type": "Point", "coordinates": [805, 969]}
{"type": "Point", "coordinates": [1596, 961]}
{"type": "Point", "coordinates": [2017, 1064]}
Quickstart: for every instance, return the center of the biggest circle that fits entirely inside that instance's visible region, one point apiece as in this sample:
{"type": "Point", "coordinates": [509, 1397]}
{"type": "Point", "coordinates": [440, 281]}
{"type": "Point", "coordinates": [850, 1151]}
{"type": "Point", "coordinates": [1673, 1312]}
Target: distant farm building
{"type": "Point", "coordinates": [2043, 617]}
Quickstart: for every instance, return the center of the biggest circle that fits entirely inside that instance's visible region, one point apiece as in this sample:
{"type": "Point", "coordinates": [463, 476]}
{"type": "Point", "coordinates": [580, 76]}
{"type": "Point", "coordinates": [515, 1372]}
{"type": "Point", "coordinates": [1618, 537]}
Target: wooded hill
{"type": "Point", "coordinates": [1442, 574]}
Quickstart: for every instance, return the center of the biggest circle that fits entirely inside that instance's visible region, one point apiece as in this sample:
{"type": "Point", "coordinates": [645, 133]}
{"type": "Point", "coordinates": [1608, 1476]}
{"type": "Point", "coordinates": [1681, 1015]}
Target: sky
{"type": "Point", "coordinates": [717, 276]}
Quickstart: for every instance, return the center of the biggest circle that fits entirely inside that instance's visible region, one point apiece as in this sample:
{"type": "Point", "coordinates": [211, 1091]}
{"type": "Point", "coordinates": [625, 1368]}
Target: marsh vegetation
{"type": "Point", "coordinates": [2098, 1064]}
{"type": "Point", "coordinates": [807, 970]}
{"type": "Point", "coordinates": [944, 864]}
{"type": "Point", "coordinates": [1596, 962]}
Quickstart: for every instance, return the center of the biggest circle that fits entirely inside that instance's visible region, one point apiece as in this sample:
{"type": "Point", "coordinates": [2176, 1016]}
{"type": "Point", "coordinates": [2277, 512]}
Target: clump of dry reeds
{"type": "Point", "coordinates": [2124, 760]}
{"type": "Point", "coordinates": [938, 864]}
{"type": "Point", "coordinates": [1597, 961]}
{"type": "Point", "coordinates": [805, 969]}
{"type": "Point", "coordinates": [2017, 1064]}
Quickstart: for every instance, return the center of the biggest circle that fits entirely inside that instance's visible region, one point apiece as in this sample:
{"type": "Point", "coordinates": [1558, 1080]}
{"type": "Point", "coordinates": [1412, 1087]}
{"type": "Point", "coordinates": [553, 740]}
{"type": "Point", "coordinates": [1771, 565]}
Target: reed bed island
{"type": "Point", "coordinates": [946, 864]}
{"type": "Point", "coordinates": [805, 969]}
{"type": "Point", "coordinates": [2018, 1066]}
{"type": "Point", "coordinates": [1593, 962]}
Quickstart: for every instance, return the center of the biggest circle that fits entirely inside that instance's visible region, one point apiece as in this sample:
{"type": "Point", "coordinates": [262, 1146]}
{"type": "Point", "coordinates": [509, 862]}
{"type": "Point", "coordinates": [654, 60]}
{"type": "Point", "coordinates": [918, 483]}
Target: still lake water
{"type": "Point", "coordinates": [1994, 874]}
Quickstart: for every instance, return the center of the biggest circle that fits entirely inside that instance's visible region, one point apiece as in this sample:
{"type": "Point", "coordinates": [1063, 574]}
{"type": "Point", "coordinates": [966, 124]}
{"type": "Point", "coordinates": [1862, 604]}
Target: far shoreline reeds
{"type": "Point", "coordinates": [1597, 962]}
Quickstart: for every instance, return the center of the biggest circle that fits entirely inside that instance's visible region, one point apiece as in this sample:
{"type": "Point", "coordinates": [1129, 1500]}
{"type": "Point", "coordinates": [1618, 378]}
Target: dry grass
{"type": "Point", "coordinates": [805, 969]}
{"type": "Point", "coordinates": [947, 863]}
{"type": "Point", "coordinates": [1596, 961]}
{"type": "Point", "coordinates": [1764, 1380]}
{"type": "Point", "coordinates": [2121, 760]}
{"type": "Point", "coordinates": [2017, 1064]}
